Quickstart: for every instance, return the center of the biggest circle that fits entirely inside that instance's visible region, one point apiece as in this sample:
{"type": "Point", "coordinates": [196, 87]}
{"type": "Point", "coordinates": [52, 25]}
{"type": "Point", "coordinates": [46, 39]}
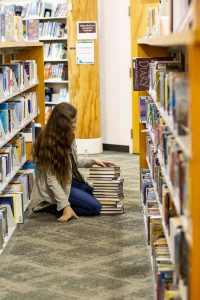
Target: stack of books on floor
{"type": "Point", "coordinates": [108, 188]}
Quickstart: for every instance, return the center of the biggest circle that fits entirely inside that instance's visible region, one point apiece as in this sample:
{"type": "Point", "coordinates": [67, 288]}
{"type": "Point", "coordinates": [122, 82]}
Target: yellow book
{"type": "Point", "coordinates": [169, 295]}
{"type": "Point", "coordinates": [16, 28]}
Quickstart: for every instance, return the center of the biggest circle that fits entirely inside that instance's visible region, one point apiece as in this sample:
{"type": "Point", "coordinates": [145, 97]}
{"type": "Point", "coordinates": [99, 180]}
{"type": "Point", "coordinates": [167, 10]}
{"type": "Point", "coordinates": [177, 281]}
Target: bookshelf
{"type": "Point", "coordinates": [55, 84]}
{"type": "Point", "coordinates": [51, 39]}
{"type": "Point", "coordinates": [181, 39]}
{"type": "Point", "coordinates": [51, 19]}
{"type": "Point", "coordinates": [46, 18]}
{"type": "Point", "coordinates": [22, 51]}
{"type": "Point", "coordinates": [19, 45]}
{"type": "Point", "coordinates": [188, 41]}
{"type": "Point", "coordinates": [17, 93]}
{"type": "Point", "coordinates": [56, 81]}
{"type": "Point", "coordinates": [55, 60]}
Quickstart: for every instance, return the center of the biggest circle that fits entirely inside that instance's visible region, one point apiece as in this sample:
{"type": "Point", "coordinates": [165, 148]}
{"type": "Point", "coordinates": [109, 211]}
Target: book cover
{"type": "Point", "coordinates": [141, 72]}
{"type": "Point", "coordinates": [7, 200]}
{"type": "Point", "coordinates": [32, 30]}
{"type": "Point", "coordinates": [4, 212]}
{"type": "Point", "coordinates": [9, 28]}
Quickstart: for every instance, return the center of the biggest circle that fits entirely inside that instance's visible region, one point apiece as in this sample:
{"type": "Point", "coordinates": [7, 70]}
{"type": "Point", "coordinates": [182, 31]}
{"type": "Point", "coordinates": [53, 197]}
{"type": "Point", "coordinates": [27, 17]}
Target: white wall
{"type": "Point", "coordinates": [115, 84]}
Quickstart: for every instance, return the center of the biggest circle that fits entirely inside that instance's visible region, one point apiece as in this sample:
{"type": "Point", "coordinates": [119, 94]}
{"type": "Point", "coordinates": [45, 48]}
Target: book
{"type": "Point", "coordinates": [9, 28]}
{"type": "Point", "coordinates": [32, 30]}
{"type": "Point", "coordinates": [3, 210]}
{"type": "Point", "coordinates": [141, 72]}
{"type": "Point", "coordinates": [108, 188]}
{"type": "Point", "coordinates": [181, 94]}
{"type": "Point", "coordinates": [61, 10]}
{"type": "Point", "coordinates": [7, 199]}
{"type": "Point", "coordinates": [17, 202]}
{"type": "Point", "coordinates": [1, 230]}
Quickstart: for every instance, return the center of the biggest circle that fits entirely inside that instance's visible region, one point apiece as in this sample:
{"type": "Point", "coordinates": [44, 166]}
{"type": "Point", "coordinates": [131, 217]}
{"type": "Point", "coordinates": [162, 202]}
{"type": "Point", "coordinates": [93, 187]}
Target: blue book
{"type": "Point", "coordinates": [4, 106]}
{"type": "Point", "coordinates": [30, 165]}
{"type": "Point", "coordinates": [3, 117]}
{"type": "Point", "coordinates": [7, 200]}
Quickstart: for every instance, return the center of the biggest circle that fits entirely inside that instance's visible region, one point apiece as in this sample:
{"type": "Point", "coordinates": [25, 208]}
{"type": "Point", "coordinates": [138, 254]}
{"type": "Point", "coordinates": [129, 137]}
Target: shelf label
{"type": "Point", "coordinates": [87, 30]}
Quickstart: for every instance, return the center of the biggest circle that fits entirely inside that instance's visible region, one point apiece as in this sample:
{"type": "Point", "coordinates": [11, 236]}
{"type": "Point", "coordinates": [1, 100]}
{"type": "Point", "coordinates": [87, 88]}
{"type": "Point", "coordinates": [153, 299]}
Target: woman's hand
{"type": "Point", "coordinates": [103, 163]}
{"type": "Point", "coordinates": [68, 213]}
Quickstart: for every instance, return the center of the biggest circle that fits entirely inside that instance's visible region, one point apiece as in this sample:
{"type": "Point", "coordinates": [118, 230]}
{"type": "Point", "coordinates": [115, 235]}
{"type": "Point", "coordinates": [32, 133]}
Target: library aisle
{"type": "Point", "coordinates": [92, 258]}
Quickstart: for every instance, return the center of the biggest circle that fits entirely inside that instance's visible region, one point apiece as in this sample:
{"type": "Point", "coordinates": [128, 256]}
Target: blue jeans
{"type": "Point", "coordinates": [82, 201]}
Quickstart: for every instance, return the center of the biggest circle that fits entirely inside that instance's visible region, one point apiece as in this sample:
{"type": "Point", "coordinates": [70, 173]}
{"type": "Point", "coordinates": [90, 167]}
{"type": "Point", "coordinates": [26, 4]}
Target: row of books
{"type": "Point", "coordinates": [11, 9]}
{"type": "Point", "coordinates": [55, 50]}
{"type": "Point", "coordinates": [35, 30]}
{"type": "Point", "coordinates": [169, 88]}
{"type": "Point", "coordinates": [55, 71]}
{"type": "Point", "coordinates": [52, 30]}
{"type": "Point", "coordinates": [11, 28]}
{"type": "Point", "coordinates": [16, 151]}
{"type": "Point", "coordinates": [11, 156]}
{"type": "Point", "coordinates": [108, 188]}
{"type": "Point", "coordinates": [16, 76]}
{"type": "Point", "coordinates": [17, 112]}
{"type": "Point", "coordinates": [164, 153]}
{"type": "Point", "coordinates": [169, 16]}
{"type": "Point", "coordinates": [158, 193]}
{"type": "Point", "coordinates": [169, 264]}
{"type": "Point", "coordinates": [44, 9]}
{"type": "Point", "coordinates": [14, 200]}
{"type": "Point", "coordinates": [56, 96]}
{"type": "Point", "coordinates": [174, 165]}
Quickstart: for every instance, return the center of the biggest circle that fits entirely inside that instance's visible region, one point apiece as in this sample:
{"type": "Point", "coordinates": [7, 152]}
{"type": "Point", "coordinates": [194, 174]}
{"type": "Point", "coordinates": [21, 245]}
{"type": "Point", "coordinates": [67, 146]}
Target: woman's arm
{"type": "Point", "coordinates": [84, 161]}
{"type": "Point", "coordinates": [61, 197]}
{"type": "Point", "coordinates": [89, 162]}
{"type": "Point", "coordinates": [68, 213]}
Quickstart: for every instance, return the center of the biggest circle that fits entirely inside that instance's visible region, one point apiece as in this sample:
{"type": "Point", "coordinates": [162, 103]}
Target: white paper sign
{"type": "Point", "coordinates": [87, 30]}
{"type": "Point", "coordinates": [85, 52]}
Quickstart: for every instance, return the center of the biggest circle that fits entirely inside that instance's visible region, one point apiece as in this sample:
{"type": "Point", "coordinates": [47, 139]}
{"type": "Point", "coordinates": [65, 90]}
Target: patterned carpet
{"type": "Point", "coordinates": [92, 258]}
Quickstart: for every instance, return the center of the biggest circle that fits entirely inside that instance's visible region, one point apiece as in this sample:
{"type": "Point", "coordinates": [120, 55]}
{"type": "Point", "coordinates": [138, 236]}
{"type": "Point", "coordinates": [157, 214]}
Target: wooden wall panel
{"type": "Point", "coordinates": [84, 79]}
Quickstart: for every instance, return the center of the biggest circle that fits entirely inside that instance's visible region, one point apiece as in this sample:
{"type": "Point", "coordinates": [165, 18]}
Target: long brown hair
{"type": "Point", "coordinates": [51, 148]}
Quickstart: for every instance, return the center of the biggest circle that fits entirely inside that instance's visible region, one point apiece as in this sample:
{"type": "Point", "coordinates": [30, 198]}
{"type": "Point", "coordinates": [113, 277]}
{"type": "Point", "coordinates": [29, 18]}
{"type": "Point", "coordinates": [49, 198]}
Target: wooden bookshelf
{"type": "Point", "coordinates": [12, 175]}
{"type": "Point", "coordinates": [55, 60]}
{"type": "Point", "coordinates": [19, 92]}
{"type": "Point", "coordinates": [36, 53]}
{"type": "Point", "coordinates": [16, 131]}
{"type": "Point", "coordinates": [53, 103]}
{"type": "Point", "coordinates": [179, 39]}
{"type": "Point", "coordinates": [53, 39]}
{"type": "Point", "coordinates": [143, 46]}
{"type": "Point", "coordinates": [183, 141]}
{"type": "Point", "coordinates": [63, 19]}
{"type": "Point", "coordinates": [56, 81]}
{"type": "Point", "coordinates": [23, 51]}
{"type": "Point", "coordinates": [13, 45]}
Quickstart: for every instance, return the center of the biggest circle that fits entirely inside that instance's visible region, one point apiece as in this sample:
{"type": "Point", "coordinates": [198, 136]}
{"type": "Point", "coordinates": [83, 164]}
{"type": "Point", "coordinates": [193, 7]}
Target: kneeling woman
{"type": "Point", "coordinates": [59, 181]}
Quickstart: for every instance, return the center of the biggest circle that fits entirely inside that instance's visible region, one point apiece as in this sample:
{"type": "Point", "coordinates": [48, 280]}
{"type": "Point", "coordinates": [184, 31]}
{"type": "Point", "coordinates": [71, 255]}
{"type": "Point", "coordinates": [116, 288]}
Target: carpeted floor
{"type": "Point", "coordinates": [92, 258]}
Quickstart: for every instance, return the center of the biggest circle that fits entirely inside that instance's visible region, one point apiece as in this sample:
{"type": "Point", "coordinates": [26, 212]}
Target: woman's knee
{"type": "Point", "coordinates": [97, 208]}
